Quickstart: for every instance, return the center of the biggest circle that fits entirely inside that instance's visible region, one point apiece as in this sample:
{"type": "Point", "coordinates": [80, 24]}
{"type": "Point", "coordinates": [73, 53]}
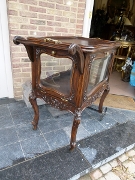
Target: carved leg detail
{"type": "Point", "coordinates": [105, 93]}
{"type": "Point", "coordinates": [76, 123]}
{"type": "Point", "coordinates": [33, 102]}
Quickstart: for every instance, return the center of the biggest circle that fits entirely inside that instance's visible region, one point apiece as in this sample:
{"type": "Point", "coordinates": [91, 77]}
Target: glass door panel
{"type": "Point", "coordinates": [56, 73]}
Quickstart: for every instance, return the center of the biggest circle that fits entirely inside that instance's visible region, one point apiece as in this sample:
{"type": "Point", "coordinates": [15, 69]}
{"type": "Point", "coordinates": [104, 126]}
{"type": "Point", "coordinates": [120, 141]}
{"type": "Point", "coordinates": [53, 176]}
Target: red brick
{"type": "Point", "coordinates": [74, 9]}
{"type": "Point", "coordinates": [38, 34]}
{"type": "Point", "coordinates": [20, 65]}
{"type": "Point", "coordinates": [28, 27]}
{"type": "Point", "coordinates": [45, 17]}
{"type": "Point", "coordinates": [37, 9]}
{"type": "Point", "coordinates": [57, 1]}
{"type": "Point", "coordinates": [18, 60]}
{"type": "Point", "coordinates": [72, 20]}
{"type": "Point", "coordinates": [79, 21]}
{"type": "Point", "coordinates": [16, 70]}
{"type": "Point", "coordinates": [19, 32]}
{"type": "Point", "coordinates": [33, 2]}
{"type": "Point", "coordinates": [23, 49]}
{"type": "Point", "coordinates": [81, 5]}
{"type": "Point", "coordinates": [79, 32]}
{"type": "Point", "coordinates": [26, 69]}
{"type": "Point", "coordinates": [80, 16]}
{"type": "Point", "coordinates": [63, 19]}
{"type": "Point", "coordinates": [61, 7]}
{"type": "Point", "coordinates": [13, 26]}
{"type": "Point", "coordinates": [51, 23]}
{"type": "Point", "coordinates": [38, 22]}
{"type": "Point", "coordinates": [79, 26]}
{"type": "Point", "coordinates": [46, 68]}
{"type": "Point", "coordinates": [25, 59]}
{"type": "Point", "coordinates": [45, 28]}
{"type": "Point", "coordinates": [14, 55]}
{"type": "Point", "coordinates": [61, 29]}
{"type": "Point", "coordinates": [17, 80]}
{"type": "Point", "coordinates": [15, 49]}
{"type": "Point", "coordinates": [22, 75]}
{"type": "Point", "coordinates": [24, 79]}
{"type": "Point", "coordinates": [28, 14]}
{"type": "Point", "coordinates": [81, 11]}
{"type": "Point", "coordinates": [13, 12]}
{"type": "Point", "coordinates": [53, 33]}
{"type": "Point", "coordinates": [46, 4]}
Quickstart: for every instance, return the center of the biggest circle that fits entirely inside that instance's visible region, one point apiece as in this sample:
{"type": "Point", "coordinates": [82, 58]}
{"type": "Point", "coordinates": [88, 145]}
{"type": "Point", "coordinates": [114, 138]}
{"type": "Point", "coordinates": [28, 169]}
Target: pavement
{"type": "Point", "coordinates": [121, 168]}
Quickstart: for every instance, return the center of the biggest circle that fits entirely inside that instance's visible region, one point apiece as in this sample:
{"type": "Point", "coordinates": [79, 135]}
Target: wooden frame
{"type": "Point", "coordinates": [82, 52]}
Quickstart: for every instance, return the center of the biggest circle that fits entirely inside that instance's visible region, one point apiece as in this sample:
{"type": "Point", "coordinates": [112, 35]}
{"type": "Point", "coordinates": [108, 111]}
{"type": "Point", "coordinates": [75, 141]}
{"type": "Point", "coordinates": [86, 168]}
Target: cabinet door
{"type": "Point", "coordinates": [56, 73]}
{"type": "Point", "coordinates": [99, 70]}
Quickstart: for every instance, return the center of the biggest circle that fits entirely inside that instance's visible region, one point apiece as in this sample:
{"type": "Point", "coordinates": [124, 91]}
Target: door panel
{"type": "Point", "coordinates": [6, 82]}
{"type": "Point", "coordinates": [3, 80]}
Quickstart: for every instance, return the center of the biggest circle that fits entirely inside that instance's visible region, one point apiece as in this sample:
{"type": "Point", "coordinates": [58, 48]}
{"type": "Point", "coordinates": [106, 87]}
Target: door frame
{"type": "Point", "coordinates": [87, 18]}
{"type": "Point", "coordinates": [6, 48]}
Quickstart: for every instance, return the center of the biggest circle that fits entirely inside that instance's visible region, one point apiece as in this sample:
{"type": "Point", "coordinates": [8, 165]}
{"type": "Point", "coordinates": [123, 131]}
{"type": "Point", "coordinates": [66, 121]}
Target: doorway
{"type": "Point", "coordinates": [6, 84]}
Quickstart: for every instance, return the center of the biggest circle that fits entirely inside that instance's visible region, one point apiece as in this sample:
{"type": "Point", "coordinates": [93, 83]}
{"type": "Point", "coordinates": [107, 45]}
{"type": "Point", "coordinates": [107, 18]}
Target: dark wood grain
{"type": "Point", "coordinates": [82, 52]}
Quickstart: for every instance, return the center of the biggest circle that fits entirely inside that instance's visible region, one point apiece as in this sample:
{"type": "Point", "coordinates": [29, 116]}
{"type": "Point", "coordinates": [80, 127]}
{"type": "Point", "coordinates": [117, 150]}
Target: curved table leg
{"type": "Point", "coordinates": [76, 122]}
{"type": "Point", "coordinates": [105, 93]}
{"type": "Point", "coordinates": [32, 99]}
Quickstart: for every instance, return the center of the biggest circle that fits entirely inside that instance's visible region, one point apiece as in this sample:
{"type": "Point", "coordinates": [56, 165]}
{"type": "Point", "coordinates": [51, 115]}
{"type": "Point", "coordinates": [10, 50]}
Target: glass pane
{"type": "Point", "coordinates": [56, 73]}
{"type": "Point", "coordinates": [98, 72]}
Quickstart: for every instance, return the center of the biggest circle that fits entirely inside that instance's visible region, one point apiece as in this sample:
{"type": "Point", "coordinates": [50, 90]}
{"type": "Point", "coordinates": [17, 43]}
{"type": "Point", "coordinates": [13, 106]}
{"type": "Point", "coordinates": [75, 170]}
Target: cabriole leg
{"type": "Point", "coordinates": [76, 122]}
{"type": "Point", "coordinates": [105, 93]}
{"type": "Point", "coordinates": [32, 99]}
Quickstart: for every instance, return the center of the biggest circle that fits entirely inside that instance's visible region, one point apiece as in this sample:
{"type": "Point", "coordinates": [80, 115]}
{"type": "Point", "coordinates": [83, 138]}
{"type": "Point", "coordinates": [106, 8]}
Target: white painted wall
{"type": "Point", "coordinates": [6, 84]}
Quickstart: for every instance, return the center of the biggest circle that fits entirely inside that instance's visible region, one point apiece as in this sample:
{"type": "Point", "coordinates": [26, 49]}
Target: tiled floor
{"type": "Point", "coordinates": [19, 142]}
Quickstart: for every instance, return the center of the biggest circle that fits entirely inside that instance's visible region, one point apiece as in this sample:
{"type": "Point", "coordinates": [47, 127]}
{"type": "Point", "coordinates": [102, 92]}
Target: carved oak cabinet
{"type": "Point", "coordinates": [75, 88]}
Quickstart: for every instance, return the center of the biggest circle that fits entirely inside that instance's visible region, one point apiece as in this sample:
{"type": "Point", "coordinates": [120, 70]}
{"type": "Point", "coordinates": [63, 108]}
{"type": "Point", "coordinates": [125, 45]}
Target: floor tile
{"type": "Point", "coordinates": [6, 121]}
{"type": "Point", "coordinates": [92, 126]}
{"type": "Point", "coordinates": [26, 131]}
{"type": "Point", "coordinates": [4, 111]}
{"type": "Point", "coordinates": [34, 146]}
{"type": "Point", "coordinates": [64, 122]}
{"type": "Point", "coordinates": [18, 107]}
{"type": "Point", "coordinates": [120, 118]}
{"type": "Point", "coordinates": [43, 112]}
{"type": "Point", "coordinates": [10, 155]}
{"type": "Point", "coordinates": [108, 121]}
{"type": "Point", "coordinates": [48, 125]}
{"type": "Point", "coordinates": [22, 118]}
{"type": "Point", "coordinates": [129, 114]}
{"type": "Point", "coordinates": [7, 101]}
{"type": "Point", "coordinates": [8, 136]}
{"type": "Point", "coordinates": [114, 110]}
{"type": "Point", "coordinates": [81, 133]}
{"type": "Point", "coordinates": [57, 139]}
{"type": "Point", "coordinates": [93, 113]}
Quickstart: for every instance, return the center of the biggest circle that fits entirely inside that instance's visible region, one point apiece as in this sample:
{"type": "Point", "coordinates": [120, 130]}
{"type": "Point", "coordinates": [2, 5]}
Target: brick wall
{"type": "Point", "coordinates": [39, 18]}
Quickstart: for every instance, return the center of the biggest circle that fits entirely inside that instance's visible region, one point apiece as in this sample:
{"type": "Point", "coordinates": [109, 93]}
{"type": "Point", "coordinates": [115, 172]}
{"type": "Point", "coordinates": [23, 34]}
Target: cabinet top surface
{"type": "Point", "coordinates": [87, 44]}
